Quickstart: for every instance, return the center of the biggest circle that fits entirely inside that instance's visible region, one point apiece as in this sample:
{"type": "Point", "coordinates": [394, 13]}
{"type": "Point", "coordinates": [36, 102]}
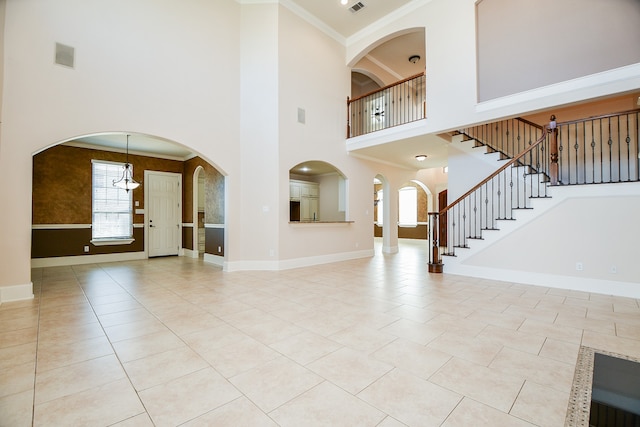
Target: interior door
{"type": "Point", "coordinates": [164, 213]}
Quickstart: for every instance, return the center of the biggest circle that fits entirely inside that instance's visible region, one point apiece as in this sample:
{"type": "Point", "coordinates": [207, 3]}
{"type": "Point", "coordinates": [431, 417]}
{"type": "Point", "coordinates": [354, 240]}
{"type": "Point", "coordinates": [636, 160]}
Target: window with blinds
{"type": "Point", "coordinates": [112, 206]}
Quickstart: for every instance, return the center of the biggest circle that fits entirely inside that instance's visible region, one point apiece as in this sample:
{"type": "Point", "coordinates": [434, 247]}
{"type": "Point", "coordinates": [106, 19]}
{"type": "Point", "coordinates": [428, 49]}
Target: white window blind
{"type": "Point", "coordinates": [408, 206]}
{"type": "Point", "coordinates": [112, 211]}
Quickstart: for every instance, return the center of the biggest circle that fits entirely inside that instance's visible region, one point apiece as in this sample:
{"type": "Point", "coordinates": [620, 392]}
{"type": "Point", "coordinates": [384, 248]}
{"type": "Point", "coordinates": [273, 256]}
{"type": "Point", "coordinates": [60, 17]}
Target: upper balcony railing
{"type": "Point", "coordinates": [393, 105]}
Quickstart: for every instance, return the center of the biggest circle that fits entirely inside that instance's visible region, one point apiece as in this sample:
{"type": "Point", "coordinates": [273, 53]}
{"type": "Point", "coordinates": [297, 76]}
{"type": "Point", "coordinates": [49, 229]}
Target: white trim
{"type": "Point", "coordinates": [295, 262]}
{"type": "Point", "coordinates": [111, 242]}
{"type": "Point", "coordinates": [16, 292]}
{"type": "Point", "coordinates": [190, 253]}
{"type": "Point", "coordinates": [319, 223]}
{"type": "Point", "coordinates": [86, 259]}
{"type": "Point", "coordinates": [59, 226]}
{"type": "Point", "coordinates": [187, 224]}
{"type": "Point", "coordinates": [214, 259]}
{"type": "Point", "coordinates": [390, 249]}
{"type": "Point", "coordinates": [214, 226]}
{"type": "Point", "coordinates": [138, 225]}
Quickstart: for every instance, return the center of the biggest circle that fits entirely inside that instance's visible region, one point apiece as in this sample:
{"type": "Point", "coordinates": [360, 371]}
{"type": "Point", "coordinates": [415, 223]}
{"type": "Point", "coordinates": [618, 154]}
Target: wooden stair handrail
{"type": "Point", "coordinates": [497, 172]}
{"type": "Point", "coordinates": [603, 116]}
{"type": "Point", "coordinates": [349, 101]}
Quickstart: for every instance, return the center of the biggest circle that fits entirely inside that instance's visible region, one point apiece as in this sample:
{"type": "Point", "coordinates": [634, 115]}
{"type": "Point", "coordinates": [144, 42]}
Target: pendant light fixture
{"type": "Point", "coordinates": [127, 182]}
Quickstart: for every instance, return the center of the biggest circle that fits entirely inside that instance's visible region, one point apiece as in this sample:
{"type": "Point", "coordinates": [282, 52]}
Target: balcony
{"type": "Point", "coordinates": [393, 105]}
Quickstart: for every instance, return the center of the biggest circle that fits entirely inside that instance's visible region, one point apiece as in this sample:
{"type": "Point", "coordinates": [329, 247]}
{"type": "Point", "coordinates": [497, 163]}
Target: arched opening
{"type": "Point", "coordinates": [64, 195]}
{"type": "Point", "coordinates": [199, 236]}
{"type": "Point", "coordinates": [318, 192]}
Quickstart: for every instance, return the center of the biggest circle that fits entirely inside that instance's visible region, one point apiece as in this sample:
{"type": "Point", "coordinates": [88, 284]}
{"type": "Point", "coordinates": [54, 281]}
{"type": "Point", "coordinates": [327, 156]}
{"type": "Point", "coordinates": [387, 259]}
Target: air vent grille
{"type": "Point", "coordinates": [357, 7]}
{"type": "Point", "coordinates": [65, 55]}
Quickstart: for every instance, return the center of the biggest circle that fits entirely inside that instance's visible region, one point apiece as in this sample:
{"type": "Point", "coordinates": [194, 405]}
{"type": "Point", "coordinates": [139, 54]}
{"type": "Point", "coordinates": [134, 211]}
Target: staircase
{"type": "Point", "coordinates": [536, 161]}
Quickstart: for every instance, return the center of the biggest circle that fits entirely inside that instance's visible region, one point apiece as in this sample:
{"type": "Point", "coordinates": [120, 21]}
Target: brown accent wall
{"type": "Point", "coordinates": [71, 242]}
{"type": "Point", "coordinates": [214, 238]}
{"type": "Point", "coordinates": [62, 182]}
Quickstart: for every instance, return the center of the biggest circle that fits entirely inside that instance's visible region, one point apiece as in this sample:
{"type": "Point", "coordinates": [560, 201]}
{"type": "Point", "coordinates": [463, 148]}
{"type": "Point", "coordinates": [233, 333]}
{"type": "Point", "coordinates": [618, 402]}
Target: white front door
{"type": "Point", "coordinates": [164, 212]}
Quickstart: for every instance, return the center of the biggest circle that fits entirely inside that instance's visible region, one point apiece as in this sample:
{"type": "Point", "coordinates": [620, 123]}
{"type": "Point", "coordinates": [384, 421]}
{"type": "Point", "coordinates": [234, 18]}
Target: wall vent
{"type": "Point", "coordinates": [357, 7]}
{"type": "Point", "coordinates": [65, 55]}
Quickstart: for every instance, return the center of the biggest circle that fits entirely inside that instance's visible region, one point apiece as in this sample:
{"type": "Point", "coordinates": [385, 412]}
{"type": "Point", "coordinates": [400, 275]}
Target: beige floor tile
{"type": "Point", "coordinates": [480, 383]}
{"type": "Point", "coordinates": [239, 356]}
{"type": "Point", "coordinates": [17, 379]}
{"type": "Point", "coordinates": [582, 322]}
{"type": "Point", "coordinates": [69, 333]}
{"type": "Point", "coordinates": [163, 367]}
{"type": "Point", "coordinates": [326, 405]}
{"type": "Point", "coordinates": [60, 382]}
{"type": "Point", "coordinates": [208, 340]}
{"type": "Point", "coordinates": [502, 320]}
{"type": "Point", "coordinates": [413, 358]}
{"type": "Point", "coordinates": [391, 422]}
{"type": "Point", "coordinates": [325, 323]}
{"type": "Point", "coordinates": [271, 330]}
{"type": "Point", "coordinates": [474, 350]}
{"type": "Point", "coordinates": [141, 420]}
{"type": "Point", "coordinates": [560, 350]}
{"type": "Point", "coordinates": [17, 355]}
{"type": "Point", "coordinates": [412, 313]}
{"type": "Point", "coordinates": [55, 355]}
{"type": "Point", "coordinates": [349, 369]}
{"type": "Point", "coordinates": [147, 345]}
{"type": "Point", "coordinates": [305, 347]}
{"type": "Point", "coordinates": [563, 333]}
{"type": "Point", "coordinates": [541, 405]}
{"type": "Point", "coordinates": [410, 399]}
{"type": "Point", "coordinates": [192, 322]}
{"type": "Point", "coordinates": [124, 317]}
{"type": "Point", "coordinates": [13, 338]}
{"type": "Point", "coordinates": [620, 345]}
{"type": "Point", "coordinates": [116, 307]}
{"type": "Point", "coordinates": [104, 405]}
{"type": "Point", "coordinates": [134, 329]}
{"type": "Point", "coordinates": [541, 370]}
{"type": "Point", "coordinates": [413, 331]}
{"type": "Point", "coordinates": [472, 413]}
{"type": "Point", "coordinates": [16, 410]}
{"type": "Point", "coordinates": [362, 338]}
{"type": "Point", "coordinates": [628, 331]}
{"type": "Point", "coordinates": [238, 413]}
{"type": "Point", "coordinates": [274, 383]}
{"type": "Point", "coordinates": [187, 397]}
{"type": "Point", "coordinates": [513, 339]}
{"type": "Point", "coordinates": [532, 313]}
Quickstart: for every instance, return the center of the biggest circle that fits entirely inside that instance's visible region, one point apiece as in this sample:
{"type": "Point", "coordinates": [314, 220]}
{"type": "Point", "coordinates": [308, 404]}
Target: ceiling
{"type": "Point", "coordinates": [393, 54]}
{"type": "Point", "coordinates": [345, 22]}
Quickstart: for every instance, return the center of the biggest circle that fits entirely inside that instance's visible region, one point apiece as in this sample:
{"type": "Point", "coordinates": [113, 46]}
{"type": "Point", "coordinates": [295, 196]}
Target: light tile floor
{"type": "Point", "coordinates": [370, 342]}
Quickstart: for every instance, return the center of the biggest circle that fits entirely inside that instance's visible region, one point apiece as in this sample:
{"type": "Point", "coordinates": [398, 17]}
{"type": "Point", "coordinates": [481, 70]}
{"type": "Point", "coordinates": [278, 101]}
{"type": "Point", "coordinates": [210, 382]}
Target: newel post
{"type": "Point", "coordinates": [553, 151]}
{"type": "Point", "coordinates": [435, 262]}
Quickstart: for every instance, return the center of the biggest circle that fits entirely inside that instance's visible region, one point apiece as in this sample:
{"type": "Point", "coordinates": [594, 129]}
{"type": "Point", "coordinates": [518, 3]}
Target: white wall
{"type": "Point", "coordinates": [595, 225]}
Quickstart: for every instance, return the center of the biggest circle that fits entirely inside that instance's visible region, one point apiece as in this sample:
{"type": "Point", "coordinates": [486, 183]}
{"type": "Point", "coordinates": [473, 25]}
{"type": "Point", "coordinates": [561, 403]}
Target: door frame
{"type": "Point", "coordinates": [146, 209]}
{"type": "Point", "coordinates": [196, 187]}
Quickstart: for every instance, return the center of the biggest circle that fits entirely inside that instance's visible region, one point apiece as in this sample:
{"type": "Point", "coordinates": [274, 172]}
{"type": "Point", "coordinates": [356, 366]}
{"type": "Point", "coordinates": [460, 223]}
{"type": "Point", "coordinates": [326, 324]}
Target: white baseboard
{"type": "Point", "coordinates": [584, 284]}
{"type": "Point", "coordinates": [190, 253]}
{"type": "Point", "coordinates": [86, 259]}
{"type": "Point", "coordinates": [288, 264]}
{"type": "Point", "coordinates": [16, 292]}
{"type": "Point", "coordinates": [214, 259]}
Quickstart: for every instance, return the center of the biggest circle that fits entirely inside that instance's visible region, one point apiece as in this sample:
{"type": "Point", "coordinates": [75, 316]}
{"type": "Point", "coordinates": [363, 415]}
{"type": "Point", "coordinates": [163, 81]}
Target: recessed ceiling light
{"type": "Point", "coordinates": [344, 1]}
{"type": "Point", "coordinates": [421, 157]}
